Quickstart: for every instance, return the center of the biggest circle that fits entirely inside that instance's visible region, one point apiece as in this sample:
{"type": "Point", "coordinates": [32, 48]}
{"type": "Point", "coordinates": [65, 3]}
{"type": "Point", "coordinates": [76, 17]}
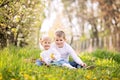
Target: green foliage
{"type": "Point", "coordinates": [83, 38]}
{"type": "Point", "coordinates": [13, 66]}
{"type": "Point", "coordinates": [19, 19]}
{"type": "Point", "coordinates": [105, 54]}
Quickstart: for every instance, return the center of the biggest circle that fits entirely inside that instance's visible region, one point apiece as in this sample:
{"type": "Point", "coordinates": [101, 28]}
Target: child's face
{"type": "Point", "coordinates": [59, 41]}
{"type": "Point", "coordinates": [46, 44]}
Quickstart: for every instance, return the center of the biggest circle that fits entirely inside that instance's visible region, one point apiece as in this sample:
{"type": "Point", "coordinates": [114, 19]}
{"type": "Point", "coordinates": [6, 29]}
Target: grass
{"type": "Point", "coordinates": [13, 67]}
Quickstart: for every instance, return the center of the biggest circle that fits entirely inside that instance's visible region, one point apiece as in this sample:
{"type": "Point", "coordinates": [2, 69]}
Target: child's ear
{"type": "Point", "coordinates": [64, 39]}
{"type": "Point", "coordinates": [40, 40]}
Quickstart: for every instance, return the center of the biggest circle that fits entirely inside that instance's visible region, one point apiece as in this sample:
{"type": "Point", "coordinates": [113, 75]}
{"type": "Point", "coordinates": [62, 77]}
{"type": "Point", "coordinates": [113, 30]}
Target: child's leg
{"type": "Point", "coordinates": [68, 65]}
{"type": "Point", "coordinates": [74, 64]}
{"type": "Point", "coordinates": [38, 62]}
{"type": "Point", "coordinates": [63, 63]}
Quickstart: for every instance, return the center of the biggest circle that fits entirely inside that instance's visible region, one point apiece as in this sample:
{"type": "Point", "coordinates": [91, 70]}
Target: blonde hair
{"type": "Point", "coordinates": [60, 33]}
{"type": "Point", "coordinates": [45, 38]}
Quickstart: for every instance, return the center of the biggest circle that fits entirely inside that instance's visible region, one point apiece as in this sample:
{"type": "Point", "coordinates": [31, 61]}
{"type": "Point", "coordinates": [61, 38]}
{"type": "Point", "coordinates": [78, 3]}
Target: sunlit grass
{"type": "Point", "coordinates": [13, 67]}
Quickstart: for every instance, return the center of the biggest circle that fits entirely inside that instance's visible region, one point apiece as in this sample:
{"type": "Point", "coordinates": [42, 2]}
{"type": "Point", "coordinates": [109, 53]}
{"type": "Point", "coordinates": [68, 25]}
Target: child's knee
{"type": "Point", "coordinates": [38, 62]}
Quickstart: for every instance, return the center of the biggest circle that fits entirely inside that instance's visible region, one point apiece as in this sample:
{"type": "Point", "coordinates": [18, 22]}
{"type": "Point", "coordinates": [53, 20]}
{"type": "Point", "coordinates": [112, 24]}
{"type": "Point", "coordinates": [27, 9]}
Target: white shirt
{"type": "Point", "coordinates": [67, 51]}
{"type": "Point", "coordinates": [46, 55]}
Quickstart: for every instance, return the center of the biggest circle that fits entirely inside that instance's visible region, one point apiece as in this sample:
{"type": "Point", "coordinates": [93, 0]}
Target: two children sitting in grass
{"type": "Point", "coordinates": [58, 53]}
{"type": "Point", "coordinates": [51, 56]}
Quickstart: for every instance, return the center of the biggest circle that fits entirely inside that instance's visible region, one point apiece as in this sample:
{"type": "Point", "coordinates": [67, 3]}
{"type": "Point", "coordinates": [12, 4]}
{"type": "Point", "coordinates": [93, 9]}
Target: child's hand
{"type": "Point", "coordinates": [83, 64]}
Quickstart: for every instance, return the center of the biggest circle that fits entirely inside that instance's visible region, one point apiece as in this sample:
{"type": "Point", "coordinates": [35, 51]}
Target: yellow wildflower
{"type": "Point", "coordinates": [1, 76]}
{"type": "Point", "coordinates": [26, 76]}
{"type": "Point", "coordinates": [88, 76]}
{"type": "Point", "coordinates": [13, 79]}
{"type": "Point", "coordinates": [94, 78]}
{"type": "Point", "coordinates": [115, 79]}
{"type": "Point", "coordinates": [52, 56]}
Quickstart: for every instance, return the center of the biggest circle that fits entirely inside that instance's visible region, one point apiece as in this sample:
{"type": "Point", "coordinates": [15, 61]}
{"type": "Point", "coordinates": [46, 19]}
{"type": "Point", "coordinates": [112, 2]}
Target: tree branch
{"type": "Point", "coordinates": [5, 3]}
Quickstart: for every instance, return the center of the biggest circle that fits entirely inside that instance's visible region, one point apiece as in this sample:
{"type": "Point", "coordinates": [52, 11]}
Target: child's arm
{"type": "Point", "coordinates": [75, 57]}
{"type": "Point", "coordinates": [45, 58]}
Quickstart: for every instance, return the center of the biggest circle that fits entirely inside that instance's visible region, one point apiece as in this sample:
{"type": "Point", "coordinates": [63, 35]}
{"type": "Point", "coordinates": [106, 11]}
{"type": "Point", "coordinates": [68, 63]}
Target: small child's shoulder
{"type": "Point", "coordinates": [44, 52]}
{"type": "Point", "coordinates": [66, 44]}
{"type": "Point", "coordinates": [52, 49]}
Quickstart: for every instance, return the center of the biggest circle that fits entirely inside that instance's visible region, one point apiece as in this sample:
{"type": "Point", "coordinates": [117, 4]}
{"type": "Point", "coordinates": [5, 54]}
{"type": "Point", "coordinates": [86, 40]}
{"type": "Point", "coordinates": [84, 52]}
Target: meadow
{"type": "Point", "coordinates": [13, 66]}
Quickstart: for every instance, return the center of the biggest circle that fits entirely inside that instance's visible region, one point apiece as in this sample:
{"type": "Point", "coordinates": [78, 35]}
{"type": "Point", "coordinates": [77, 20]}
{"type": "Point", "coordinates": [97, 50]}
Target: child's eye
{"type": "Point", "coordinates": [56, 40]}
{"type": "Point", "coordinates": [61, 40]}
{"type": "Point", "coordinates": [45, 42]}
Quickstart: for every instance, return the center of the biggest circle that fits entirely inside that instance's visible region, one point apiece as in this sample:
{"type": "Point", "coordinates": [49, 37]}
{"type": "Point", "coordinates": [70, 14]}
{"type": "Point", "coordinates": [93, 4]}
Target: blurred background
{"type": "Point", "coordinates": [88, 24]}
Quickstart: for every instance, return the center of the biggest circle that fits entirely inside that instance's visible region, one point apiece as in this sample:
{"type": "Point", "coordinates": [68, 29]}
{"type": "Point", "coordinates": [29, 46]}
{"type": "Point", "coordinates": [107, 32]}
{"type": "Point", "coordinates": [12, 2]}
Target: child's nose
{"type": "Point", "coordinates": [58, 41]}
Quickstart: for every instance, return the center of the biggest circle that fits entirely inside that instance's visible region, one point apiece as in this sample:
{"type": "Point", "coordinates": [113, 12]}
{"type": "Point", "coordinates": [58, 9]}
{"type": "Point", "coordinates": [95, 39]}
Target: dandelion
{"type": "Point", "coordinates": [13, 79]}
{"type": "Point", "coordinates": [26, 76]}
{"type": "Point", "coordinates": [88, 76]}
{"type": "Point", "coordinates": [94, 78]}
{"type": "Point", "coordinates": [0, 76]}
{"type": "Point", "coordinates": [14, 30]}
{"type": "Point", "coordinates": [52, 56]}
{"type": "Point", "coordinates": [115, 79]}
{"type": "Point", "coordinates": [105, 77]}
{"type": "Point", "coordinates": [33, 78]}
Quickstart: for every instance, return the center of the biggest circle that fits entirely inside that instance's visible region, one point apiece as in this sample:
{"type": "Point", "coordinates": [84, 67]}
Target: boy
{"type": "Point", "coordinates": [50, 56]}
{"type": "Point", "coordinates": [66, 50]}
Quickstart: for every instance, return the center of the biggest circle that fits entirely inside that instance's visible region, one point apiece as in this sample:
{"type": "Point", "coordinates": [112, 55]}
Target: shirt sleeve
{"type": "Point", "coordinates": [74, 55]}
{"type": "Point", "coordinates": [45, 58]}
